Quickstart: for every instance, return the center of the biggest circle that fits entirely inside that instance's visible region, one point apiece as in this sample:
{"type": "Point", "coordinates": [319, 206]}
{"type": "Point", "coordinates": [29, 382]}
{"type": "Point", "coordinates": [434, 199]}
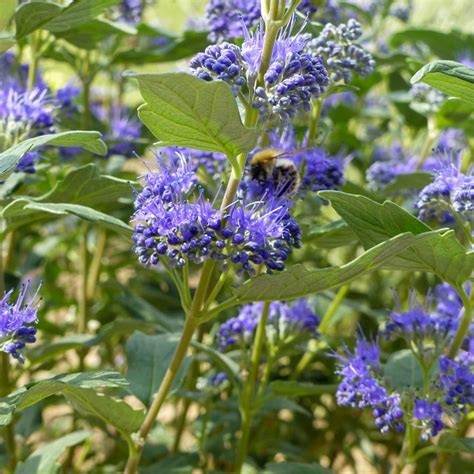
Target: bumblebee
{"type": "Point", "coordinates": [271, 167]}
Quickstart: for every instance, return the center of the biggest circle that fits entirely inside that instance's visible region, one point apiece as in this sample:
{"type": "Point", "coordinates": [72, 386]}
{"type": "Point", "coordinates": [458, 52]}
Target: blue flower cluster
{"type": "Point", "coordinates": [429, 328]}
{"type": "Point", "coordinates": [426, 99]}
{"type": "Point", "coordinates": [26, 113]}
{"type": "Point", "coordinates": [226, 18]}
{"type": "Point", "coordinates": [16, 321]}
{"type": "Point", "coordinates": [362, 386]}
{"type": "Point", "coordinates": [285, 323]}
{"type": "Point", "coordinates": [229, 18]}
{"type": "Point", "coordinates": [222, 61]}
{"type": "Point", "coordinates": [130, 11]}
{"type": "Point", "coordinates": [451, 191]}
{"type": "Point", "coordinates": [211, 163]}
{"type": "Point", "coordinates": [174, 219]}
{"type": "Point", "coordinates": [123, 129]}
{"type": "Point", "coordinates": [428, 334]}
{"type": "Point", "coordinates": [342, 55]}
{"type": "Point", "coordinates": [293, 78]}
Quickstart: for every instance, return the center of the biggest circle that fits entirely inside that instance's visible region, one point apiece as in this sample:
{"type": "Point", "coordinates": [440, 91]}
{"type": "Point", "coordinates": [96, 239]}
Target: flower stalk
{"type": "Point", "coordinates": [246, 405]}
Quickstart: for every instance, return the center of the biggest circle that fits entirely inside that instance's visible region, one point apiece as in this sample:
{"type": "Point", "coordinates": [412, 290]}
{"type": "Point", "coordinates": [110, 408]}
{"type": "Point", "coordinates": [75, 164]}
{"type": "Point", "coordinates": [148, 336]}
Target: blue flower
{"type": "Point", "coordinates": [463, 197]}
{"type": "Point", "coordinates": [226, 18]}
{"type": "Point", "coordinates": [175, 220]}
{"type": "Point", "coordinates": [123, 129]}
{"type": "Point", "coordinates": [240, 330]}
{"type": "Point", "coordinates": [341, 54]}
{"type": "Point", "coordinates": [294, 76]}
{"type": "Point", "coordinates": [435, 200]}
{"type": "Point", "coordinates": [286, 323]}
{"type": "Point", "coordinates": [289, 322]}
{"type": "Point", "coordinates": [229, 18]}
{"type": "Point", "coordinates": [16, 320]}
{"type": "Point", "coordinates": [65, 99]}
{"type": "Point", "coordinates": [426, 98]}
{"type": "Point", "coordinates": [427, 418]}
{"type": "Point", "coordinates": [222, 61]}
{"type": "Point", "coordinates": [451, 388]}
{"type": "Point", "coordinates": [451, 139]}
{"type": "Point", "coordinates": [456, 381]}
{"type": "Point", "coordinates": [361, 386]}
{"type": "Point", "coordinates": [429, 328]}
{"type": "Point", "coordinates": [130, 11]}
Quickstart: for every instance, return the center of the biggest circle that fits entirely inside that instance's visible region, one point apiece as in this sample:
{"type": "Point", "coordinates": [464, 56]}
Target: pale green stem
{"type": "Point", "coordinates": [333, 307]}
{"type": "Point", "coordinates": [33, 67]}
{"type": "Point", "coordinates": [463, 325]}
{"type": "Point", "coordinates": [431, 135]}
{"type": "Point", "coordinates": [94, 269]}
{"type": "Point", "coordinates": [315, 117]}
{"type": "Point", "coordinates": [246, 405]}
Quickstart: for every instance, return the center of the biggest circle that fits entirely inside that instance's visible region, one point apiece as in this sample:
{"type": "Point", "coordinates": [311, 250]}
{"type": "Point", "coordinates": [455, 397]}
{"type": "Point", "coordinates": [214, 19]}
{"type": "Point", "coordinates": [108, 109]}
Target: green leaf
{"type": "Point", "coordinates": [452, 78]}
{"type": "Point", "coordinates": [179, 463]}
{"type": "Point", "coordinates": [291, 389]}
{"type": "Point", "coordinates": [295, 468]}
{"type": "Point", "coordinates": [89, 35]}
{"type": "Point", "coordinates": [451, 443]}
{"type": "Point", "coordinates": [33, 15]}
{"type": "Point", "coordinates": [84, 186]}
{"type": "Point", "coordinates": [37, 391]}
{"type": "Point", "coordinates": [405, 181]}
{"type": "Point", "coordinates": [439, 252]}
{"type": "Point", "coordinates": [456, 113]}
{"type": "Point", "coordinates": [6, 42]}
{"type": "Point", "coordinates": [221, 362]}
{"type": "Point", "coordinates": [116, 413]}
{"type": "Point", "coordinates": [148, 359]}
{"type": "Point", "coordinates": [119, 327]}
{"type": "Point", "coordinates": [298, 281]}
{"type": "Point", "coordinates": [88, 140]}
{"type": "Point", "coordinates": [190, 43]}
{"type": "Point", "coordinates": [442, 44]}
{"type": "Point", "coordinates": [55, 18]}
{"type": "Point", "coordinates": [44, 460]}
{"type": "Point", "coordinates": [329, 236]}
{"type": "Point", "coordinates": [183, 110]}
{"type": "Point", "coordinates": [403, 370]}
{"type": "Point", "coordinates": [77, 210]}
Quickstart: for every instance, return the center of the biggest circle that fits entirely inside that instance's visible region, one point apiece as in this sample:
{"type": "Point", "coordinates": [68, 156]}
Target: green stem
{"type": "Point", "coordinates": [409, 443]}
{"type": "Point", "coordinates": [333, 307]}
{"type": "Point", "coordinates": [83, 302]}
{"type": "Point", "coordinates": [246, 405]}
{"type": "Point", "coordinates": [431, 135]}
{"type": "Point", "coordinates": [9, 430]}
{"type": "Point", "coordinates": [315, 117]}
{"type": "Point", "coordinates": [464, 324]}
{"type": "Point", "coordinates": [94, 269]}
{"type": "Point", "coordinates": [303, 363]}
{"type": "Point", "coordinates": [160, 397]}
{"type": "Point", "coordinates": [35, 40]}
{"type": "Point", "coordinates": [190, 385]}
{"type": "Point", "coordinates": [87, 79]}
{"type": "Point", "coordinates": [267, 370]}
